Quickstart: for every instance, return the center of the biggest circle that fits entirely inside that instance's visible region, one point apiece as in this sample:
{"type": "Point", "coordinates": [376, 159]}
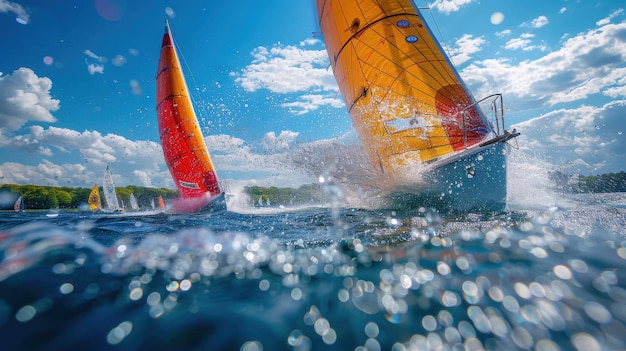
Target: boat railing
{"type": "Point", "coordinates": [495, 116]}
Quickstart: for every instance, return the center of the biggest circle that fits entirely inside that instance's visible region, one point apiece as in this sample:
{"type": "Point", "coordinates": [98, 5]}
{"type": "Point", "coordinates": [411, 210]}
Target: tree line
{"type": "Point", "coordinates": [47, 197]}
{"type": "Point", "coordinates": [37, 197]}
{"type": "Point", "coordinates": [603, 183]}
{"type": "Point", "coordinates": [305, 194]}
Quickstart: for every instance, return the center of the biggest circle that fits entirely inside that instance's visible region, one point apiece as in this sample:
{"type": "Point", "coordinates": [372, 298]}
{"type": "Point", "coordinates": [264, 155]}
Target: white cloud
{"type": "Point", "coordinates": [287, 69]}
{"type": "Point", "coordinates": [292, 70]}
{"type": "Point", "coordinates": [92, 55]}
{"type": "Point", "coordinates": [22, 16]}
{"type": "Point", "coordinates": [223, 143]}
{"type": "Point", "coordinates": [587, 64]}
{"type": "Point", "coordinates": [523, 43]}
{"type": "Point", "coordinates": [25, 97]}
{"type": "Point", "coordinates": [536, 22]}
{"type": "Point", "coordinates": [617, 91]}
{"type": "Point", "coordinates": [65, 157]}
{"type": "Point", "coordinates": [88, 149]}
{"type": "Point", "coordinates": [18, 173]}
{"type": "Point", "coordinates": [143, 177]}
{"type": "Point", "coordinates": [239, 163]}
{"type": "Point", "coordinates": [608, 19]}
{"type": "Point", "coordinates": [464, 47]}
{"type": "Point", "coordinates": [93, 68]}
{"type": "Point", "coordinates": [587, 140]}
{"type": "Point", "coordinates": [311, 102]}
{"type": "Point", "coordinates": [273, 143]}
{"type": "Point", "coordinates": [309, 42]}
{"type": "Point", "coordinates": [503, 33]}
{"type": "Point", "coordinates": [448, 6]}
{"type": "Point", "coordinates": [94, 62]}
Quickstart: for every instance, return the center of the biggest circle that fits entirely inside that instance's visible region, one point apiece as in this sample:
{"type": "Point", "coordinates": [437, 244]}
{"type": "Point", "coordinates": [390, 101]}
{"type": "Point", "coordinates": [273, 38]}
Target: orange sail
{"type": "Point", "coordinates": [406, 100]}
{"type": "Point", "coordinates": [183, 144]}
{"type": "Point", "coordinates": [161, 202]}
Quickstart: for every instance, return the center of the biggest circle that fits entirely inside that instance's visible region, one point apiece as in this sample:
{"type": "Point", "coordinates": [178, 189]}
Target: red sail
{"type": "Point", "coordinates": [183, 145]}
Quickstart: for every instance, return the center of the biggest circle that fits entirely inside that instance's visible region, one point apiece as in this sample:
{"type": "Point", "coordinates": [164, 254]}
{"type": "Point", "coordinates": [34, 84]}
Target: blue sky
{"type": "Point", "coordinates": [77, 85]}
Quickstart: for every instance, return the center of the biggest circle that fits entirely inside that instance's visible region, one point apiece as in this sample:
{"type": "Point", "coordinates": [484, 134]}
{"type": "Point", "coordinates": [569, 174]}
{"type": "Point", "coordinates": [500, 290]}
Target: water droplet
{"type": "Point", "coordinates": [252, 346]}
{"type": "Point", "coordinates": [562, 272]}
{"type": "Point", "coordinates": [66, 288]}
{"type": "Point", "coordinates": [136, 294]}
{"type": "Point", "coordinates": [584, 341]}
{"type": "Point", "coordinates": [429, 323]}
{"type": "Point", "coordinates": [546, 345]}
{"type": "Point", "coordinates": [321, 326]}
{"type": "Point", "coordinates": [25, 313]}
{"type": "Point", "coordinates": [371, 329]}
{"type": "Point", "coordinates": [496, 18]}
{"type": "Point", "coordinates": [295, 338]}
{"type": "Point", "coordinates": [296, 294]}
{"type": "Point", "coordinates": [117, 334]}
{"type": "Point", "coordinates": [597, 312]}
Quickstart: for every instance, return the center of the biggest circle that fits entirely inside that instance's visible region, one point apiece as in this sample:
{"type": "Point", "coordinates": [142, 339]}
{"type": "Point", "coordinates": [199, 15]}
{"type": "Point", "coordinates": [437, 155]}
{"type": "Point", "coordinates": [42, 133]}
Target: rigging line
{"type": "Point", "coordinates": [442, 41]}
{"type": "Point", "coordinates": [199, 111]}
{"type": "Point", "coordinates": [443, 46]}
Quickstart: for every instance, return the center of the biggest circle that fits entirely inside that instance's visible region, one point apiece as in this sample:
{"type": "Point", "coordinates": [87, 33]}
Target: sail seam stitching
{"type": "Point", "coordinates": [366, 27]}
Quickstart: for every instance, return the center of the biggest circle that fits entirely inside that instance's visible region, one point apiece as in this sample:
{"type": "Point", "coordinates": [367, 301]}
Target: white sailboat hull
{"type": "Point", "coordinates": [474, 180]}
{"type": "Point", "coordinates": [204, 204]}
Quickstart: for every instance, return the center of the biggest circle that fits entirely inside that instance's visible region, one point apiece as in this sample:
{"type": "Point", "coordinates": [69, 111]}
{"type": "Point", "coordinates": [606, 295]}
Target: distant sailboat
{"type": "Point", "coordinates": [109, 191]}
{"type": "Point", "coordinates": [94, 199]}
{"type": "Point", "coordinates": [423, 130]}
{"type": "Point", "coordinates": [19, 205]}
{"type": "Point", "coordinates": [161, 202]}
{"type": "Point", "coordinates": [133, 202]}
{"type": "Point", "coordinates": [183, 144]}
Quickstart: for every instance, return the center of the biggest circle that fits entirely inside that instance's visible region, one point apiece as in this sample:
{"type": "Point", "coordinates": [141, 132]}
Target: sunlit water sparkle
{"type": "Point", "coordinates": [317, 279]}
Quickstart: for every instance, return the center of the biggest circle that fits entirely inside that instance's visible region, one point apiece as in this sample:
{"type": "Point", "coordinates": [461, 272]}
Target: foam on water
{"type": "Point", "coordinates": [528, 183]}
{"type": "Point", "coordinates": [241, 202]}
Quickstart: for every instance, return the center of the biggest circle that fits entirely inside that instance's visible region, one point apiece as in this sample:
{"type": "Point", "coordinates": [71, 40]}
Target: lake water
{"type": "Point", "coordinates": [319, 278]}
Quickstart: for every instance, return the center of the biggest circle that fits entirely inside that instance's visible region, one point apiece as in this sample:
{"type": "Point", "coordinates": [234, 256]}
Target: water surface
{"type": "Point", "coordinates": [317, 279]}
